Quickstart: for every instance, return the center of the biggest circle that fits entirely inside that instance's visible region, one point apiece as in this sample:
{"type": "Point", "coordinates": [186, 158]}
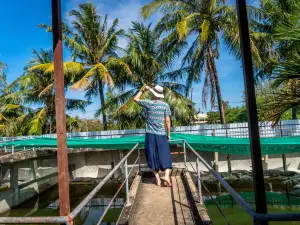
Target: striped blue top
{"type": "Point", "coordinates": [155, 111]}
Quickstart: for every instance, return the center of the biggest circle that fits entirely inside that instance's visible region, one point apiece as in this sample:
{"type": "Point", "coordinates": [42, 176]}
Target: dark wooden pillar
{"type": "Point", "coordinates": [62, 154]}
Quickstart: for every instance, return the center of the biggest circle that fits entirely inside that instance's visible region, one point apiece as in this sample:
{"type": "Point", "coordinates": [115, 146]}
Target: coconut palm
{"type": "Point", "coordinates": [287, 84]}
{"type": "Point", "coordinates": [275, 15]}
{"type": "Point", "coordinates": [149, 59]}
{"type": "Point", "coordinates": [205, 22]}
{"type": "Point", "coordinates": [36, 87]}
{"type": "Point", "coordinates": [3, 82]}
{"type": "Point", "coordinates": [95, 44]}
{"type": "Point", "coordinates": [12, 115]}
{"type": "Point", "coordinates": [202, 20]}
{"type": "Point", "coordinates": [281, 24]}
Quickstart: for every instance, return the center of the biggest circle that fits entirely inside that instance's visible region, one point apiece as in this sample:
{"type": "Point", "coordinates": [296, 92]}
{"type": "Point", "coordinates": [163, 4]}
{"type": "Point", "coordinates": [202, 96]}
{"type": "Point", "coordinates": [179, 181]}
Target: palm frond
{"type": "Point", "coordinates": [38, 121]}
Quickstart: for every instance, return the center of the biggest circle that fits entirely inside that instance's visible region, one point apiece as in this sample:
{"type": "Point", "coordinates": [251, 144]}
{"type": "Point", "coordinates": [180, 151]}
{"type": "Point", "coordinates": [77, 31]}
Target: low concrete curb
{"type": "Point", "coordinates": [200, 207]}
{"type": "Point", "coordinates": [124, 217]}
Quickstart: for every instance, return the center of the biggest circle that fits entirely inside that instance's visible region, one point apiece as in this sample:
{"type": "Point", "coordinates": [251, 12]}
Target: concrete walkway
{"type": "Point", "coordinates": [162, 205]}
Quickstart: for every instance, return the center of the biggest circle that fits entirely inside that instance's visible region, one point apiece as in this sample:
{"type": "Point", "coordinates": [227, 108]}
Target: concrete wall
{"type": "Point", "coordinates": [96, 164]}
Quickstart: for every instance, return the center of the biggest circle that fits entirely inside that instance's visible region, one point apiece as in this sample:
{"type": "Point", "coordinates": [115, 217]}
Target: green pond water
{"type": "Point", "coordinates": [47, 204]}
{"type": "Point", "coordinates": [279, 201]}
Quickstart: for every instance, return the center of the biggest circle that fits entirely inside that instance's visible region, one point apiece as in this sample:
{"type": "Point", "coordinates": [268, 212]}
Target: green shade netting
{"type": "Point", "coordinates": [239, 146]}
{"type": "Point", "coordinates": [273, 198]}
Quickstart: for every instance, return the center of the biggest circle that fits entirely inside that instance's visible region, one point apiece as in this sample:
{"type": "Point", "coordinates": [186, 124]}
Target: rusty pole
{"type": "Point", "coordinates": [62, 154]}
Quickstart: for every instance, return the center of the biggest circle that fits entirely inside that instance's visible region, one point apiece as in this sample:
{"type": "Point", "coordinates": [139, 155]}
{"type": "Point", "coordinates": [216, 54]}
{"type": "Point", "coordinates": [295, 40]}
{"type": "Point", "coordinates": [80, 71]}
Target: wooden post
{"type": "Point", "coordinates": [62, 154]}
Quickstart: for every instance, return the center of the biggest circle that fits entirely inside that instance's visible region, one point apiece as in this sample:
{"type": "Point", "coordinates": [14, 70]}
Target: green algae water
{"type": "Point", "coordinates": [278, 202]}
{"type": "Point", "coordinates": [47, 204]}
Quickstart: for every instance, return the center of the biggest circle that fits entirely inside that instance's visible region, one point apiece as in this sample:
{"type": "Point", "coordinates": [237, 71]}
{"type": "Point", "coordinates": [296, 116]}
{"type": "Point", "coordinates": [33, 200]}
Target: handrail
{"type": "Point", "coordinates": [210, 195]}
{"type": "Point", "coordinates": [75, 212]}
{"type": "Point", "coordinates": [68, 219]}
{"type": "Point", "coordinates": [255, 216]}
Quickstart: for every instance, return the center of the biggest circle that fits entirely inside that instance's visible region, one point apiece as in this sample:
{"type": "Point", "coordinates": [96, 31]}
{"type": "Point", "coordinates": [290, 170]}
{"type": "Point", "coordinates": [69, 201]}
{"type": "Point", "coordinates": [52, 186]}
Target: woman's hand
{"type": "Point", "coordinates": [146, 88]}
{"type": "Point", "coordinates": [169, 137]}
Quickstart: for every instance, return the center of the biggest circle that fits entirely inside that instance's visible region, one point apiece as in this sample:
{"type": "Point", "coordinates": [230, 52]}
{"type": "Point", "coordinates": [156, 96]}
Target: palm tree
{"type": "Point", "coordinates": [36, 87]}
{"type": "Point", "coordinates": [3, 82]}
{"type": "Point", "coordinates": [95, 45]}
{"type": "Point", "coordinates": [13, 116]}
{"type": "Point", "coordinates": [149, 59]}
{"type": "Point", "coordinates": [281, 24]}
{"type": "Point", "coordinates": [202, 20]}
{"type": "Point", "coordinates": [287, 82]}
{"type": "Point", "coordinates": [205, 22]}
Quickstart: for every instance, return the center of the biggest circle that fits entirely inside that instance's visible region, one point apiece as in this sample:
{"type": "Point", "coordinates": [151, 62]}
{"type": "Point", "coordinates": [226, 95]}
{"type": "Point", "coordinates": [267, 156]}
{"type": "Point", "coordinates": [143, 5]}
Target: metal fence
{"type": "Point", "coordinates": [238, 130]}
{"type": "Point", "coordinates": [284, 128]}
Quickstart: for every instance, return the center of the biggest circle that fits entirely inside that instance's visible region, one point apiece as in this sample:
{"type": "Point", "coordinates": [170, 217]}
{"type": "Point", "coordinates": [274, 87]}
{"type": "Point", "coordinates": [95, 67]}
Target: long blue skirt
{"type": "Point", "coordinates": [158, 152]}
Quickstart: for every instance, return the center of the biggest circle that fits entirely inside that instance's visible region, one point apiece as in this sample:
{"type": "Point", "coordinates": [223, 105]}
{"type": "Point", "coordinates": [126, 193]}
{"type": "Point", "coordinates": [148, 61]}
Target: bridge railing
{"type": "Point", "coordinates": [68, 220]}
{"type": "Point", "coordinates": [256, 217]}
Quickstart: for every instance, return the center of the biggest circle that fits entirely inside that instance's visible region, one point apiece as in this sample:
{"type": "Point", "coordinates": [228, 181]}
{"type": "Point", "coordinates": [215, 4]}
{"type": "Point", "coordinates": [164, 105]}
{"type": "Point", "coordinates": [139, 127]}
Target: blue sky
{"type": "Point", "coordinates": [20, 34]}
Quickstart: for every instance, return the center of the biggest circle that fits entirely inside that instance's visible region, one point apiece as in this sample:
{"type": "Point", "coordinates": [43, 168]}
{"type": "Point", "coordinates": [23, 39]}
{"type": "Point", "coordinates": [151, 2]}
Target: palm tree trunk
{"type": "Point", "coordinates": [101, 94]}
{"type": "Point", "coordinates": [294, 113]}
{"type": "Point", "coordinates": [293, 86]}
{"type": "Point", "coordinates": [217, 85]}
{"type": "Point", "coordinates": [50, 124]}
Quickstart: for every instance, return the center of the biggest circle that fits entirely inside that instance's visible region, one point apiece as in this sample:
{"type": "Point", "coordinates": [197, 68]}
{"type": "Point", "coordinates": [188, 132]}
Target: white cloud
{"type": "Point", "coordinates": [125, 10]}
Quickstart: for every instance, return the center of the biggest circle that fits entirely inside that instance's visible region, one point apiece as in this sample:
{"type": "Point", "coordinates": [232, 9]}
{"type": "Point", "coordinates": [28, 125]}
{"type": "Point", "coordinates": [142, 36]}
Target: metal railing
{"type": "Point", "coordinates": [256, 217]}
{"type": "Point", "coordinates": [68, 220]}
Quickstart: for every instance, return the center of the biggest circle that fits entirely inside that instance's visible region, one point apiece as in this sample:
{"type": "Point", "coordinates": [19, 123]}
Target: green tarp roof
{"type": "Point", "coordinates": [200, 143]}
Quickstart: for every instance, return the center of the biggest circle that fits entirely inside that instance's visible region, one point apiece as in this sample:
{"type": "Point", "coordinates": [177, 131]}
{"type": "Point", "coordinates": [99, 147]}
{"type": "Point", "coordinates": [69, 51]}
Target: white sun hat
{"type": "Point", "coordinates": [158, 91]}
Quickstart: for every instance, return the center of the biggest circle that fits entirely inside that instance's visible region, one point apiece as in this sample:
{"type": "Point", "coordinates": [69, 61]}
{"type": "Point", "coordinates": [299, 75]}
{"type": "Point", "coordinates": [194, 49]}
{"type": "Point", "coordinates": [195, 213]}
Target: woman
{"type": "Point", "coordinates": [156, 144]}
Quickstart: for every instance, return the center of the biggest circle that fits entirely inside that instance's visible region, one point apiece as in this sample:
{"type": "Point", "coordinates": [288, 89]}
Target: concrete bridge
{"type": "Point", "coordinates": [176, 205]}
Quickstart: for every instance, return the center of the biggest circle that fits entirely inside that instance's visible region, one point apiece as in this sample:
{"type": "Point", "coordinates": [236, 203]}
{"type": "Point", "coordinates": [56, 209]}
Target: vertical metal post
{"type": "Point", "coordinates": [199, 181]}
{"type": "Point", "coordinates": [13, 149]}
{"type": "Point", "coordinates": [184, 150]}
{"type": "Point", "coordinates": [258, 176]}
{"type": "Point", "coordinates": [127, 181]}
{"type": "Point", "coordinates": [62, 154]}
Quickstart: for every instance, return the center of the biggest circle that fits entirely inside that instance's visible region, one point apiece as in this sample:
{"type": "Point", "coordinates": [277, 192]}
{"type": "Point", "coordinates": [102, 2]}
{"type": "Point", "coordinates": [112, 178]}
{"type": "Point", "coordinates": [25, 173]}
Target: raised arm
{"type": "Point", "coordinates": [168, 125]}
{"type": "Point", "coordinates": [138, 96]}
